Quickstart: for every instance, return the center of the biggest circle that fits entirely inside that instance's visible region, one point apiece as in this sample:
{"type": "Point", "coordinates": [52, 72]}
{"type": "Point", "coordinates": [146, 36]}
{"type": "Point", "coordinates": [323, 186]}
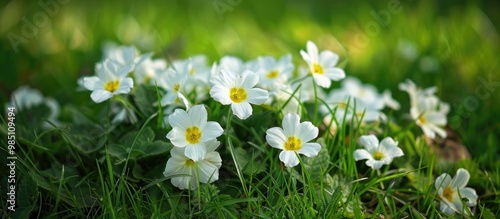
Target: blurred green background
{"type": "Point", "coordinates": [444, 43]}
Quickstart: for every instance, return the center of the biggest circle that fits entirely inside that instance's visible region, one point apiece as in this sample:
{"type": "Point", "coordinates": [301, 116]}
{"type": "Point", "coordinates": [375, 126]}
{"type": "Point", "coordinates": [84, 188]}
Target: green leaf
{"type": "Point", "coordinates": [145, 96]}
{"type": "Point", "coordinates": [317, 166]}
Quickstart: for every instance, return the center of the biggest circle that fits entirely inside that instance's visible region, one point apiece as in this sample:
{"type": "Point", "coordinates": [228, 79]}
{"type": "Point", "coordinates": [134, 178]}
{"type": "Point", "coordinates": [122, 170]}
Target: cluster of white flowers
{"type": "Point", "coordinates": [186, 84]}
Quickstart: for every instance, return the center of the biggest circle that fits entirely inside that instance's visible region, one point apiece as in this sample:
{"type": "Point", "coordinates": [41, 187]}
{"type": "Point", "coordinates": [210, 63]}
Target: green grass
{"type": "Point", "coordinates": [87, 168]}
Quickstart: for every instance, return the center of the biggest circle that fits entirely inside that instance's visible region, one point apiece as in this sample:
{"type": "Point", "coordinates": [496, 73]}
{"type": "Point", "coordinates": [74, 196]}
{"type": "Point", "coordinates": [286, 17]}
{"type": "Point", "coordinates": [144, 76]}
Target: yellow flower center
{"type": "Point", "coordinates": [422, 120]}
{"type": "Point", "coordinates": [237, 95]}
{"type": "Point", "coordinates": [293, 144]}
{"type": "Point", "coordinates": [378, 156]}
{"type": "Point", "coordinates": [317, 69]}
{"type": "Point", "coordinates": [448, 193]}
{"type": "Point", "coordinates": [191, 71]}
{"type": "Point", "coordinates": [189, 163]}
{"type": "Point", "coordinates": [112, 86]}
{"type": "Point", "coordinates": [193, 135]}
{"type": "Point", "coordinates": [177, 87]}
{"type": "Point", "coordinates": [272, 74]}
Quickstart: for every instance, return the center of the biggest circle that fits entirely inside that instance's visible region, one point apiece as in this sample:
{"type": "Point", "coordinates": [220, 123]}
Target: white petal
{"type": "Point", "coordinates": [275, 137]}
{"type": "Point", "coordinates": [179, 119]}
{"type": "Point", "coordinates": [220, 94]}
{"type": "Point", "coordinates": [197, 116]}
{"type": "Point", "coordinates": [99, 96]}
{"type": "Point", "coordinates": [312, 50]}
{"type": "Point", "coordinates": [177, 137]}
{"type": "Point", "coordinates": [362, 154]}
{"type": "Point", "coordinates": [428, 131]}
{"type": "Point", "coordinates": [328, 58]}
{"type": "Point", "coordinates": [289, 158]}
{"type": "Point", "coordinates": [211, 131]}
{"type": "Point", "coordinates": [436, 118]}
{"type": "Point", "coordinates": [305, 56]}
{"type": "Point", "coordinates": [461, 178]}
{"type": "Point", "coordinates": [444, 207]}
{"type": "Point", "coordinates": [125, 86]}
{"type": "Point", "coordinates": [249, 79]}
{"type": "Point", "coordinates": [322, 80]}
{"type": "Point", "coordinates": [290, 123]}
{"type": "Point", "coordinates": [310, 149]}
{"type": "Point", "coordinates": [370, 142]}
{"type": "Point", "coordinates": [228, 78]}
{"type": "Point", "coordinates": [92, 83]}
{"type": "Point", "coordinates": [390, 147]}
{"type": "Point", "coordinates": [442, 181]}
{"type": "Point", "coordinates": [470, 194]}
{"type": "Point", "coordinates": [212, 145]}
{"type": "Point", "coordinates": [196, 152]}
{"type": "Point", "coordinates": [306, 131]}
{"type": "Point", "coordinates": [207, 172]}
{"type": "Point", "coordinates": [335, 74]}
{"type": "Point", "coordinates": [374, 164]}
{"type": "Point", "coordinates": [242, 110]}
{"type": "Point", "coordinates": [174, 166]}
{"type": "Point", "coordinates": [257, 96]}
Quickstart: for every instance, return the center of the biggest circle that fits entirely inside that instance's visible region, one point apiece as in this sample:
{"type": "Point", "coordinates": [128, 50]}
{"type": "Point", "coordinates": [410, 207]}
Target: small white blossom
{"type": "Point", "coordinates": [110, 80]}
{"type": "Point", "coordinates": [183, 169]}
{"type": "Point", "coordinates": [293, 138]}
{"type": "Point", "coordinates": [191, 130]}
{"type": "Point", "coordinates": [377, 154]}
{"type": "Point", "coordinates": [322, 65]}
{"type": "Point", "coordinates": [452, 191]}
{"type": "Point", "coordinates": [239, 91]}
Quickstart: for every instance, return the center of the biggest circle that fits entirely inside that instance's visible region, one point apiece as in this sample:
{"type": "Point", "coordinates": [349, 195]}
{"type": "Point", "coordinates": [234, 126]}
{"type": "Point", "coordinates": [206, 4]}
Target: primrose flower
{"type": "Point", "coordinates": [173, 82]}
{"type": "Point", "coordinates": [239, 91]}
{"type": "Point", "coordinates": [293, 138]}
{"type": "Point", "coordinates": [110, 80]}
{"type": "Point", "coordinates": [426, 109]}
{"type": "Point", "coordinates": [191, 130]}
{"type": "Point", "coordinates": [377, 154]}
{"type": "Point", "coordinates": [322, 65]}
{"type": "Point", "coordinates": [452, 191]}
{"type": "Point", "coordinates": [183, 169]}
{"type": "Point", "coordinates": [274, 73]}
{"type": "Point", "coordinates": [148, 71]}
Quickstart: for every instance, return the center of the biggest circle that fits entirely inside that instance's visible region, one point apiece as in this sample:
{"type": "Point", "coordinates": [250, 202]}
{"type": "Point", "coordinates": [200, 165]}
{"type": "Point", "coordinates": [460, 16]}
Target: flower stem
{"type": "Point", "coordinates": [231, 151]}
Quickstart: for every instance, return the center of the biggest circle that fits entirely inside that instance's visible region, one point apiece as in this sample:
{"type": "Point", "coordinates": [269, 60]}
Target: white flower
{"type": "Point", "coordinates": [273, 74]}
{"type": "Point", "coordinates": [239, 91]}
{"type": "Point", "coordinates": [293, 138]}
{"type": "Point", "coordinates": [108, 82]}
{"type": "Point", "coordinates": [148, 71]}
{"type": "Point", "coordinates": [25, 97]}
{"type": "Point", "coordinates": [426, 109]}
{"type": "Point", "coordinates": [430, 115]}
{"type": "Point", "coordinates": [232, 64]}
{"type": "Point", "coordinates": [322, 65]}
{"type": "Point", "coordinates": [124, 57]}
{"type": "Point", "coordinates": [452, 191]}
{"type": "Point", "coordinates": [173, 82]}
{"type": "Point", "coordinates": [183, 169]}
{"type": "Point", "coordinates": [191, 130]}
{"type": "Point", "coordinates": [377, 154]}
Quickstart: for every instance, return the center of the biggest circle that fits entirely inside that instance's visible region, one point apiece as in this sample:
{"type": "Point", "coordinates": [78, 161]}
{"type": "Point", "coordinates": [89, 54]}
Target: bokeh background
{"type": "Point", "coordinates": [453, 45]}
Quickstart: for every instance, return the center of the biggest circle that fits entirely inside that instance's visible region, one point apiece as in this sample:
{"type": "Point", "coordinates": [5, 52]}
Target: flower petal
{"type": "Point", "coordinates": [179, 119]}
{"type": "Point", "coordinates": [442, 181]}
{"type": "Point", "coordinates": [374, 164]}
{"type": "Point", "coordinates": [312, 50]}
{"type": "Point", "coordinates": [221, 94]}
{"type": "Point", "coordinates": [196, 152]}
{"type": "Point", "coordinates": [322, 80]}
{"type": "Point", "coordinates": [335, 74]}
{"type": "Point", "coordinates": [310, 149]}
{"type": "Point", "coordinates": [242, 110]}
{"type": "Point", "coordinates": [197, 116]}
{"type": "Point", "coordinates": [362, 154]}
{"type": "Point", "coordinates": [177, 137]}
{"type": "Point", "coordinates": [275, 137]}
{"type": "Point", "coordinates": [208, 172]}
{"type": "Point", "coordinates": [92, 83]}
{"type": "Point", "coordinates": [470, 194]}
{"type": "Point", "coordinates": [125, 86]}
{"type": "Point", "coordinates": [461, 178]}
{"type": "Point", "coordinates": [390, 147]}
{"type": "Point", "coordinates": [99, 96]}
{"type": "Point", "coordinates": [211, 131]}
{"type": "Point", "coordinates": [249, 79]}
{"type": "Point", "coordinates": [306, 131]}
{"type": "Point", "coordinates": [289, 158]}
{"type": "Point", "coordinates": [290, 123]}
{"type": "Point", "coordinates": [257, 96]}
{"type": "Point", "coordinates": [370, 142]}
